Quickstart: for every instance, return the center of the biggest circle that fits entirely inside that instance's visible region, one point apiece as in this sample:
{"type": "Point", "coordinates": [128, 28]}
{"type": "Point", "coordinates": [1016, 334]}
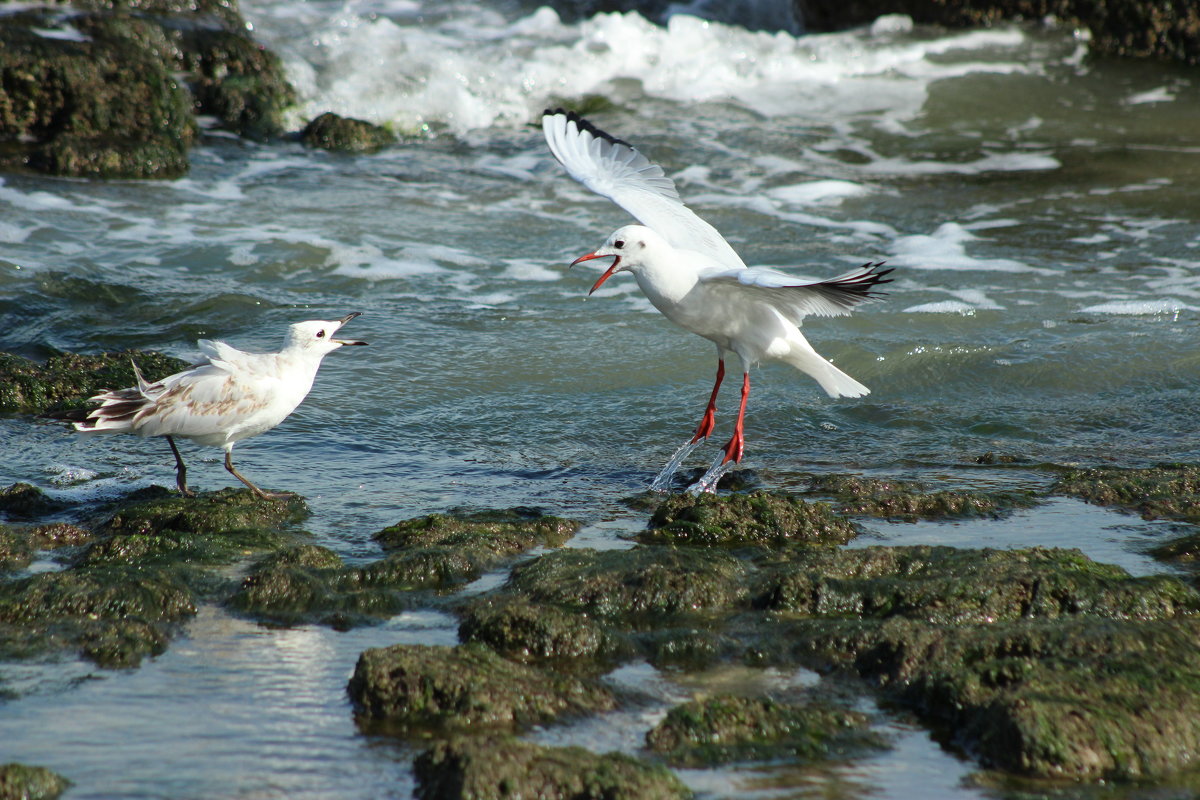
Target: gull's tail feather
{"type": "Point", "coordinates": [835, 382]}
{"type": "Point", "coordinates": [119, 409]}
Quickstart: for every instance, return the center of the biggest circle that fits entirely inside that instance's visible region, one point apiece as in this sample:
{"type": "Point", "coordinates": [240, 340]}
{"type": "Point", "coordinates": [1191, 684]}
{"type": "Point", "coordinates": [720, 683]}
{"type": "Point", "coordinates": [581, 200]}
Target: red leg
{"type": "Point", "coordinates": [709, 421]}
{"type": "Point", "coordinates": [733, 450]}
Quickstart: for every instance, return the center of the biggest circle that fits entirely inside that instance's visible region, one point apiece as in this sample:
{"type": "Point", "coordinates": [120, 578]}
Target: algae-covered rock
{"type": "Point", "coordinates": [908, 501]}
{"type": "Point", "coordinates": [464, 687]}
{"type": "Point", "coordinates": [15, 551]}
{"type": "Point", "coordinates": [113, 615]}
{"type": "Point", "coordinates": [945, 584]}
{"type": "Point", "coordinates": [477, 768]}
{"type": "Point", "coordinates": [54, 535]}
{"type": "Point", "coordinates": [525, 631]}
{"type": "Point", "coordinates": [24, 782]}
{"type": "Point", "coordinates": [761, 518]}
{"type": "Point", "coordinates": [25, 501]}
{"type": "Point", "coordinates": [66, 380]}
{"type": "Point", "coordinates": [729, 728]}
{"type": "Point", "coordinates": [645, 582]}
{"type": "Point", "coordinates": [502, 532]}
{"type": "Point", "coordinates": [1170, 491]}
{"type": "Point", "coordinates": [344, 134]}
{"type": "Point", "coordinates": [1084, 699]}
{"type": "Point", "coordinates": [157, 526]}
{"type": "Point", "coordinates": [310, 584]}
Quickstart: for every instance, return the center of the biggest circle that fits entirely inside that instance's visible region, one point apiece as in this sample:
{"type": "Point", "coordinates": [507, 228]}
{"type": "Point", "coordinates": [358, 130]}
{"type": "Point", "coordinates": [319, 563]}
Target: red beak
{"type": "Point", "coordinates": [607, 274]}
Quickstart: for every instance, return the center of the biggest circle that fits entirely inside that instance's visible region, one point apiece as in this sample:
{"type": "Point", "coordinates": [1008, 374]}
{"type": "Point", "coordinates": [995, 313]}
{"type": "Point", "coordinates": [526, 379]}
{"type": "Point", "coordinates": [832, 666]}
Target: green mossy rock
{"type": "Point", "coordinates": [415, 687]}
{"type": "Point", "coordinates": [945, 584]}
{"type": "Point", "coordinates": [345, 135]}
{"type": "Point", "coordinates": [114, 615]}
{"type": "Point", "coordinates": [1170, 491]}
{"type": "Point", "coordinates": [644, 583]}
{"type": "Point", "coordinates": [525, 631]}
{"type": "Point", "coordinates": [22, 782]}
{"type": "Point", "coordinates": [1082, 699]}
{"type": "Point", "coordinates": [728, 728]}
{"type": "Point", "coordinates": [67, 380]}
{"type": "Point", "coordinates": [479, 768]}
{"type": "Point", "coordinates": [503, 532]}
{"type": "Point", "coordinates": [26, 501]}
{"type": "Point", "coordinates": [909, 502]}
{"type": "Point", "coordinates": [15, 551]}
{"type": "Point", "coordinates": [758, 518]}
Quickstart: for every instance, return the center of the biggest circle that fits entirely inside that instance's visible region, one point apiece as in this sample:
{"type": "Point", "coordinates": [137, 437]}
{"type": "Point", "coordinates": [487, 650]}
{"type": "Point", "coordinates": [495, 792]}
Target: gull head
{"type": "Point", "coordinates": [630, 247]}
{"type": "Point", "coordinates": [316, 336]}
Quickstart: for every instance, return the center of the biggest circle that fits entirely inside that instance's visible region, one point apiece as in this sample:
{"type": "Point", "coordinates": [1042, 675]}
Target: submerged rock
{"type": "Point", "coordinates": [464, 687]}
{"type": "Point", "coordinates": [464, 768]}
{"type": "Point", "coordinates": [1169, 491]}
{"type": "Point", "coordinates": [22, 782]}
{"type": "Point", "coordinates": [759, 518]}
{"type": "Point", "coordinates": [67, 380]}
{"type": "Point", "coordinates": [434, 552]}
{"type": "Point", "coordinates": [909, 501]}
{"type": "Point", "coordinates": [946, 584]}
{"type": "Point", "coordinates": [25, 501]}
{"type": "Point", "coordinates": [344, 134]}
{"type": "Point", "coordinates": [728, 728]}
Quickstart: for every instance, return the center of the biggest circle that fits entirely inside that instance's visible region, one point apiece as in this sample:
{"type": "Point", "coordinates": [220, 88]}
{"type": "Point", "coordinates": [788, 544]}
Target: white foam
{"type": "Point", "coordinates": [1166, 305]}
{"type": "Point", "coordinates": [1160, 95]}
{"type": "Point", "coordinates": [942, 307]}
{"type": "Point", "coordinates": [946, 248]}
{"type": "Point", "coordinates": [815, 192]}
{"type": "Point", "coordinates": [419, 72]}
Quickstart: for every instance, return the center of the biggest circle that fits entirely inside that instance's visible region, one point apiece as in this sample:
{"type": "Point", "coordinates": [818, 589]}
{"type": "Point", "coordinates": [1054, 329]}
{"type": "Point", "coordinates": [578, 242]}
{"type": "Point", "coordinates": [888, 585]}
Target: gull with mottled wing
{"type": "Point", "coordinates": [234, 396]}
{"type": "Point", "coordinates": [695, 278]}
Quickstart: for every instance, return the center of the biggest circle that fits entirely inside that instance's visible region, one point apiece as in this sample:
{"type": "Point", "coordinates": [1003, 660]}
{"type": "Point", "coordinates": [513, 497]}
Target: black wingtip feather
{"type": "Point", "coordinates": [857, 287]}
{"type": "Point", "coordinates": [584, 125]}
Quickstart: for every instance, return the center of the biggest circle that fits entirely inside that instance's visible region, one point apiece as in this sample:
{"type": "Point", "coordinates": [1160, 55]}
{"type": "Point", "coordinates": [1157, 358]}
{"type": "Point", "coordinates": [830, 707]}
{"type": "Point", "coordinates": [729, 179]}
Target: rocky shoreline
{"type": "Point", "coordinates": [1040, 664]}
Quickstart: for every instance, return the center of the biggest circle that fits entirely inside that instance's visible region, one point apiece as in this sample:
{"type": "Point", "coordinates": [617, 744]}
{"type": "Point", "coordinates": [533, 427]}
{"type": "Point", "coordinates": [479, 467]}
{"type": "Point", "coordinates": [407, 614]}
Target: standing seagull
{"type": "Point", "coordinates": [234, 396]}
{"type": "Point", "coordinates": [691, 274]}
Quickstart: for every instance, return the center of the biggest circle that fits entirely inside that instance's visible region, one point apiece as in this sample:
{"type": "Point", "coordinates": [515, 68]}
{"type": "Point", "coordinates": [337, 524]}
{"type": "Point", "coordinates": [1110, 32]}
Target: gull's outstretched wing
{"type": "Point", "coordinates": [615, 169]}
{"type": "Point", "coordinates": [835, 297]}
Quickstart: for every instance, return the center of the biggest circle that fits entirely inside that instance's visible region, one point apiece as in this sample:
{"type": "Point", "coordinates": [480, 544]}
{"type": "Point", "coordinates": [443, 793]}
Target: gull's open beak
{"type": "Point", "coordinates": [343, 321]}
{"type": "Point", "coordinates": [607, 274]}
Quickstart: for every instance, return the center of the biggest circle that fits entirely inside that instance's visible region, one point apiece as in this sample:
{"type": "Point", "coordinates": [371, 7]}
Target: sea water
{"type": "Point", "coordinates": [1037, 204]}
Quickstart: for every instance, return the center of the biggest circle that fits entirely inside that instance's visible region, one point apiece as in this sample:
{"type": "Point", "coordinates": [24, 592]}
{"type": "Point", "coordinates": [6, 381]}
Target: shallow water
{"type": "Point", "coordinates": [1038, 206]}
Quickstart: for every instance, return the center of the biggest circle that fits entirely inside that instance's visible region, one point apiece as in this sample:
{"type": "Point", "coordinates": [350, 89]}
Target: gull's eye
{"type": "Point", "coordinates": [619, 243]}
{"type": "Point", "coordinates": [320, 334]}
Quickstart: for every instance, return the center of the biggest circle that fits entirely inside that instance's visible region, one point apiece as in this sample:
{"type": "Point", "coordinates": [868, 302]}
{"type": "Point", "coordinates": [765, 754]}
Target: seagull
{"type": "Point", "coordinates": [232, 397]}
{"type": "Point", "coordinates": [694, 277]}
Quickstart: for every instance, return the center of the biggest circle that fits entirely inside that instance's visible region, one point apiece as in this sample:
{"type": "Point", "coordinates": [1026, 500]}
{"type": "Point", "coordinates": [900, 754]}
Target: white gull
{"type": "Point", "coordinates": [234, 396]}
{"type": "Point", "coordinates": [695, 278]}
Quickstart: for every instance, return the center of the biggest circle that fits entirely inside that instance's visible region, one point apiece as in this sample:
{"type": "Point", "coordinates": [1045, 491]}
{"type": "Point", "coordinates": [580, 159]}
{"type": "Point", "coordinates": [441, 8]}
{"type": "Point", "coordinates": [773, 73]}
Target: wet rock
{"type": "Point", "coordinates": [645, 583]}
{"type": "Point", "coordinates": [25, 501]}
{"type": "Point", "coordinates": [113, 615]}
{"type": "Point", "coordinates": [506, 767]}
{"type": "Point", "coordinates": [15, 551]}
{"type": "Point", "coordinates": [728, 728]}
{"type": "Point", "coordinates": [1082, 698]}
{"type": "Point", "coordinates": [945, 584]}
{"type": "Point", "coordinates": [110, 90]}
{"type": "Point", "coordinates": [503, 533]}
{"type": "Point", "coordinates": [1185, 549]}
{"type": "Point", "coordinates": [1170, 491]}
{"type": "Point", "coordinates": [1165, 30]}
{"type": "Point", "coordinates": [54, 535]}
{"type": "Point", "coordinates": [67, 380]}
{"type": "Point", "coordinates": [687, 648]}
{"type": "Point", "coordinates": [525, 631]}
{"type": "Point", "coordinates": [464, 687]}
{"type": "Point", "coordinates": [309, 584]}
{"type": "Point", "coordinates": [759, 518]}
{"type": "Point", "coordinates": [158, 526]}
{"type": "Point", "coordinates": [23, 782]}
{"type": "Point", "coordinates": [908, 501]}
{"type": "Point", "coordinates": [344, 134]}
